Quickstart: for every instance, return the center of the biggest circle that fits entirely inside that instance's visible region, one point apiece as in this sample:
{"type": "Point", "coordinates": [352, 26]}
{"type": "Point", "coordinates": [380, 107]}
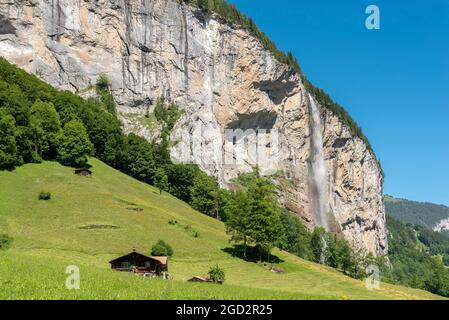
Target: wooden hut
{"type": "Point", "coordinates": [140, 263]}
{"type": "Point", "coordinates": [83, 172]}
{"type": "Point", "coordinates": [199, 279]}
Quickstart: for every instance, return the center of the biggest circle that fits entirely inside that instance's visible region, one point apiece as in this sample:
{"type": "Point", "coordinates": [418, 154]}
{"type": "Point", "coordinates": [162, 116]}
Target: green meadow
{"type": "Point", "coordinates": [90, 221]}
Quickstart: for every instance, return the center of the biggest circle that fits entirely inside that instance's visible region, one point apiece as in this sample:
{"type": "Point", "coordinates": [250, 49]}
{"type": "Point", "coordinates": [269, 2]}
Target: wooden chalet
{"type": "Point", "coordinates": [141, 264]}
{"type": "Point", "coordinates": [203, 279]}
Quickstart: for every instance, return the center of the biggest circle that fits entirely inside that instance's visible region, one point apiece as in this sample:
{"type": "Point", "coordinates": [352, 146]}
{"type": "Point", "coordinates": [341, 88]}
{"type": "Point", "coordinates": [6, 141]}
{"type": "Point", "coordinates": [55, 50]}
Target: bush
{"type": "Point", "coordinates": [172, 222]}
{"type": "Point", "coordinates": [5, 241]}
{"type": "Point", "coordinates": [161, 248]}
{"type": "Point", "coordinates": [216, 274]}
{"type": "Point", "coordinates": [192, 231]}
{"type": "Point", "coordinates": [44, 195]}
{"type": "Point", "coordinates": [102, 83]}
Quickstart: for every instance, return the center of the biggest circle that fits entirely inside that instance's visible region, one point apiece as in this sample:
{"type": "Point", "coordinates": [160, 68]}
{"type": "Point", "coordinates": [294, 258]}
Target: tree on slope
{"type": "Point", "coordinates": [8, 148]}
{"type": "Point", "coordinates": [161, 180]}
{"type": "Point", "coordinates": [204, 194]}
{"type": "Point", "coordinates": [318, 245]}
{"type": "Point", "coordinates": [296, 237]}
{"type": "Point", "coordinates": [265, 215]}
{"type": "Point", "coordinates": [74, 145]}
{"type": "Point", "coordinates": [45, 127]}
{"type": "Point", "coordinates": [140, 160]}
{"type": "Point", "coordinates": [238, 223]}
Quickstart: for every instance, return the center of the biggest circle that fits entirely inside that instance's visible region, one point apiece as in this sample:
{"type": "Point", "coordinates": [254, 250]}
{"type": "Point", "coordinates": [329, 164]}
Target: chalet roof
{"type": "Point", "coordinates": [198, 279]}
{"type": "Point", "coordinates": [78, 170]}
{"type": "Point", "coordinates": [162, 260]}
{"type": "Point", "coordinates": [134, 253]}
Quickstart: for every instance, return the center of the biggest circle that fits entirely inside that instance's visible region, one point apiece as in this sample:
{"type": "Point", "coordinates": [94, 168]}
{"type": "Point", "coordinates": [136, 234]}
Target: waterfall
{"type": "Point", "coordinates": [317, 176]}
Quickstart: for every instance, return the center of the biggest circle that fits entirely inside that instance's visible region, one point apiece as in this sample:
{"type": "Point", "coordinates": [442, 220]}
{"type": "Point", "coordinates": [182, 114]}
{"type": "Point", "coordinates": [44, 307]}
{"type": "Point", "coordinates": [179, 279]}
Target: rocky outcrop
{"type": "Point", "coordinates": [232, 91]}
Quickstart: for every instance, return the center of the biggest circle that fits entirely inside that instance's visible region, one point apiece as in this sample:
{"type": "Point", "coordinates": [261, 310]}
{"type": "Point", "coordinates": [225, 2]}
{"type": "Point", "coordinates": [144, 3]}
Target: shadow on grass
{"type": "Point", "coordinates": [252, 254]}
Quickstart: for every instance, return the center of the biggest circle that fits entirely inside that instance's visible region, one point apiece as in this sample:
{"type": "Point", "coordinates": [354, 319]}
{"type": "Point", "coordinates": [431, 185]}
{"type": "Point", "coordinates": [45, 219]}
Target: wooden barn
{"type": "Point", "coordinates": [83, 172]}
{"type": "Point", "coordinates": [139, 263]}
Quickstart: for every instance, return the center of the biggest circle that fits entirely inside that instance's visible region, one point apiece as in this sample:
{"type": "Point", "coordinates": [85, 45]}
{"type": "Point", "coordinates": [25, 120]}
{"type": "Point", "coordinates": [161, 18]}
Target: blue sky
{"type": "Point", "coordinates": [394, 81]}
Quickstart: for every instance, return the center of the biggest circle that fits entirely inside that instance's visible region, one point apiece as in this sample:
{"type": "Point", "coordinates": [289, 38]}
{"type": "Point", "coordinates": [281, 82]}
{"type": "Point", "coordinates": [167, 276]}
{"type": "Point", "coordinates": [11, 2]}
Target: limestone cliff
{"type": "Point", "coordinates": [221, 76]}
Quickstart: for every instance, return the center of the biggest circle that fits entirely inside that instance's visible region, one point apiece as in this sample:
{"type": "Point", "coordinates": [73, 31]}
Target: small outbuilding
{"type": "Point", "coordinates": [85, 172]}
{"type": "Point", "coordinates": [139, 263]}
{"type": "Point", "coordinates": [199, 279]}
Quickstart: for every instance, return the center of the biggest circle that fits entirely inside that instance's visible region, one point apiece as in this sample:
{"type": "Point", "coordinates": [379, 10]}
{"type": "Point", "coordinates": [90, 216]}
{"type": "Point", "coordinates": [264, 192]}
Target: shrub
{"type": "Point", "coordinates": [5, 241]}
{"type": "Point", "coordinates": [44, 195]}
{"type": "Point", "coordinates": [161, 248]}
{"type": "Point", "coordinates": [172, 222]}
{"type": "Point", "coordinates": [216, 274]}
{"type": "Point", "coordinates": [102, 83]}
{"type": "Point", "coordinates": [192, 231]}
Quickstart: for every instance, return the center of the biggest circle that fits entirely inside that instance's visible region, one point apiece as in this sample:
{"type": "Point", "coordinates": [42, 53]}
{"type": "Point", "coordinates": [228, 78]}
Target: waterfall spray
{"type": "Point", "coordinates": [317, 176]}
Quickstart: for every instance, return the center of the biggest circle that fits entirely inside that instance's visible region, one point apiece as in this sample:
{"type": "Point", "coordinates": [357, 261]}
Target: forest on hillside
{"type": "Point", "coordinates": [419, 257]}
{"type": "Point", "coordinates": [416, 213]}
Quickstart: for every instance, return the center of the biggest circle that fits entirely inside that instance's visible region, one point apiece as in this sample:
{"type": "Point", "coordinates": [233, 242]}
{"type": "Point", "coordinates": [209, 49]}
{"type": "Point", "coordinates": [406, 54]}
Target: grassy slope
{"type": "Point", "coordinates": [48, 238]}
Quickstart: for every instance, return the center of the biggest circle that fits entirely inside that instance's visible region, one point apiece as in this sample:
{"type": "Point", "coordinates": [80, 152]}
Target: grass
{"type": "Point", "coordinates": [50, 235]}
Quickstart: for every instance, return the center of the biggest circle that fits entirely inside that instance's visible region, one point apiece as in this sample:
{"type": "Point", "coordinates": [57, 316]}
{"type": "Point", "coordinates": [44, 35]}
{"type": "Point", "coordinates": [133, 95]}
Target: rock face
{"type": "Point", "coordinates": [232, 91]}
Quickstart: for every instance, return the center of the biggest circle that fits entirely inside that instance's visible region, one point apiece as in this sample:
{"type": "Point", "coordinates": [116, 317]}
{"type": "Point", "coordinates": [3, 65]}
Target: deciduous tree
{"type": "Point", "coordinates": [74, 145]}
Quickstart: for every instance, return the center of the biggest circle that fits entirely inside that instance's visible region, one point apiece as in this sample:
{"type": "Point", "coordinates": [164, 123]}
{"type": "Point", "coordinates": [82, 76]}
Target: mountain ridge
{"type": "Point", "coordinates": [426, 214]}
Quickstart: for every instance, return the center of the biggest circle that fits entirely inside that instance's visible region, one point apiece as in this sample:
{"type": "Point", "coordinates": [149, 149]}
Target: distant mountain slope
{"type": "Point", "coordinates": [418, 213]}
{"type": "Point", "coordinates": [90, 221]}
{"type": "Point", "coordinates": [419, 257]}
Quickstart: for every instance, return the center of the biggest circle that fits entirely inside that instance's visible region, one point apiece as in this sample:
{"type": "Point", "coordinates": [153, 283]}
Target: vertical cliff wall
{"type": "Point", "coordinates": [224, 80]}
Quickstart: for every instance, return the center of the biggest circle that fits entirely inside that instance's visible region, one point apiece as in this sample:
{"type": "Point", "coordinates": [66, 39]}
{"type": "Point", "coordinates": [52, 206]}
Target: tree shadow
{"type": "Point", "coordinates": [252, 254]}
